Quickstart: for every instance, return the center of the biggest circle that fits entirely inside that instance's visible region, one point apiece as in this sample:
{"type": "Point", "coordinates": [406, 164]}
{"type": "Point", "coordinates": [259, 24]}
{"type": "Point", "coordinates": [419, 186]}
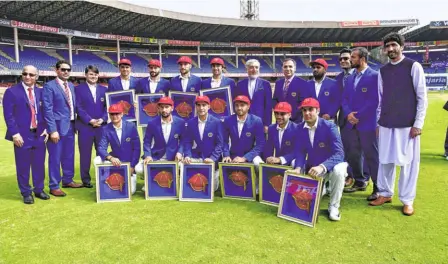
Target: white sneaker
{"type": "Point", "coordinates": [446, 157]}
{"type": "Point", "coordinates": [333, 213]}
{"type": "Point", "coordinates": [143, 188]}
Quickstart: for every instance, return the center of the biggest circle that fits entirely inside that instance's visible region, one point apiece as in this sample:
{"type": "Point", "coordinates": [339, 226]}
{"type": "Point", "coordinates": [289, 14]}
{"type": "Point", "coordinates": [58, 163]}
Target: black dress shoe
{"type": "Point", "coordinates": [28, 199]}
{"type": "Point", "coordinates": [87, 185]}
{"type": "Point", "coordinates": [373, 196]}
{"type": "Point", "coordinates": [356, 188]}
{"type": "Point", "coordinates": [42, 195]}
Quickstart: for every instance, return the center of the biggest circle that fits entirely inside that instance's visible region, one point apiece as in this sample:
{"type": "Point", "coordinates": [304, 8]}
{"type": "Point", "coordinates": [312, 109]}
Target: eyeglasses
{"type": "Point", "coordinates": [343, 58]}
{"type": "Point", "coordinates": [65, 70]}
{"type": "Point", "coordinates": [24, 74]}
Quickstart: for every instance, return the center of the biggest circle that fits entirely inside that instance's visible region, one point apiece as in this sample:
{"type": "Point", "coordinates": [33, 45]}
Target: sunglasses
{"type": "Point", "coordinates": [344, 59]}
{"type": "Point", "coordinates": [24, 74]}
{"type": "Point", "coordinates": [65, 70]}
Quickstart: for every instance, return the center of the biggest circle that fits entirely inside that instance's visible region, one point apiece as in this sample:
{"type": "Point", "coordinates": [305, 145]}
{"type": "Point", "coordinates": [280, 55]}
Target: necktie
{"type": "Point", "coordinates": [344, 81]}
{"type": "Point", "coordinates": [285, 88]}
{"type": "Point", "coordinates": [32, 108]}
{"type": "Point", "coordinates": [67, 94]}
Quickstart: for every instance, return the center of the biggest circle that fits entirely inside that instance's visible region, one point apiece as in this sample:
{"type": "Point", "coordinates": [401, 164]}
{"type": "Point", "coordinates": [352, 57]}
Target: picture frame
{"type": "Point", "coordinates": [196, 182]}
{"type": "Point", "coordinates": [271, 183]}
{"type": "Point", "coordinates": [300, 198]}
{"type": "Point", "coordinates": [184, 106]}
{"type": "Point", "coordinates": [237, 181]}
{"type": "Point", "coordinates": [147, 108]}
{"type": "Point", "coordinates": [161, 180]}
{"type": "Point", "coordinates": [218, 97]}
{"type": "Point", "coordinates": [113, 184]}
{"type": "Point", "coordinates": [126, 98]}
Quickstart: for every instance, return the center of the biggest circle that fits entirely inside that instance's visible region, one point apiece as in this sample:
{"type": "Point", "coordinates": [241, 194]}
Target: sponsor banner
{"type": "Point", "coordinates": [438, 24]}
{"type": "Point", "coordinates": [7, 40]}
{"type": "Point", "coordinates": [245, 44]}
{"type": "Point", "coordinates": [24, 25]}
{"type": "Point", "coordinates": [398, 22]}
{"type": "Point", "coordinates": [442, 42]}
{"type": "Point", "coordinates": [70, 32]}
{"type": "Point", "coordinates": [47, 29]}
{"type": "Point", "coordinates": [370, 43]}
{"type": "Point", "coordinates": [86, 34]}
{"type": "Point", "coordinates": [183, 43]}
{"type": "Point", "coordinates": [126, 38]}
{"type": "Point", "coordinates": [215, 44]}
{"type": "Point", "coordinates": [5, 22]}
{"type": "Point", "coordinates": [107, 36]}
{"type": "Point", "coordinates": [361, 23]}
{"type": "Point", "coordinates": [33, 43]}
{"type": "Point", "coordinates": [439, 64]}
{"type": "Point", "coordinates": [432, 81]}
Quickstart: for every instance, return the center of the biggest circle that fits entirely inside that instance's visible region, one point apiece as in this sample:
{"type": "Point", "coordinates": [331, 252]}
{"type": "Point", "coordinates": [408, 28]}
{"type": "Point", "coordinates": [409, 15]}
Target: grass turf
{"type": "Point", "coordinates": [75, 229]}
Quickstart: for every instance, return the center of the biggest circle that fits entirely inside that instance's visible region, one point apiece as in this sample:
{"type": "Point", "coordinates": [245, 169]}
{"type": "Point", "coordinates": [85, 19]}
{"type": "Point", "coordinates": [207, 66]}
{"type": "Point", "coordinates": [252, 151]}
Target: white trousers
{"type": "Point", "coordinates": [97, 160]}
{"type": "Point", "coordinates": [336, 179]}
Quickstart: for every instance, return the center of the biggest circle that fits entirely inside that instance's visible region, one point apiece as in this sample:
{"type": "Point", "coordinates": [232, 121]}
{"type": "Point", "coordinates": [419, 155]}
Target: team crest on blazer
{"type": "Point", "coordinates": [364, 90]}
{"type": "Point", "coordinates": [288, 143]}
{"type": "Point", "coordinates": [102, 99]}
{"type": "Point", "coordinates": [293, 94]}
{"type": "Point", "coordinates": [210, 134]}
{"type": "Point", "coordinates": [327, 93]}
{"type": "Point", "coordinates": [128, 139]}
{"type": "Point", "coordinates": [321, 144]}
{"type": "Point", "coordinates": [176, 135]}
{"type": "Point", "coordinates": [248, 134]}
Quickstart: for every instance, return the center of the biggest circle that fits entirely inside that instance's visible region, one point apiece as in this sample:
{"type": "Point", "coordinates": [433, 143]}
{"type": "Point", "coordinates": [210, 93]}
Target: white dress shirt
{"type": "Point", "coordinates": [240, 125]}
{"type": "Point", "coordinates": [358, 76]}
{"type": "Point", "coordinates": [318, 85]}
{"type": "Point", "coordinates": [119, 130]}
{"type": "Point", "coordinates": [215, 83]}
{"type": "Point", "coordinates": [184, 82]}
{"type": "Point", "coordinates": [153, 84]}
{"type": "Point", "coordinates": [72, 112]}
{"type": "Point", "coordinates": [35, 103]}
{"type": "Point", "coordinates": [201, 126]}
{"type": "Point", "coordinates": [92, 88]}
{"type": "Point", "coordinates": [251, 86]}
{"type": "Point", "coordinates": [311, 133]}
{"type": "Point", "coordinates": [281, 131]}
{"type": "Point", "coordinates": [166, 129]}
{"type": "Point", "coordinates": [126, 84]}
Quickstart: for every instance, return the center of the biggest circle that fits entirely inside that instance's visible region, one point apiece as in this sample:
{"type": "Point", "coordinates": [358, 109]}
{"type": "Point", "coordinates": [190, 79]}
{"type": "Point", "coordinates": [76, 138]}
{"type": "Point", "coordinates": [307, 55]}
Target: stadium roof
{"type": "Point", "coordinates": [436, 30]}
{"type": "Point", "coordinates": [115, 17]}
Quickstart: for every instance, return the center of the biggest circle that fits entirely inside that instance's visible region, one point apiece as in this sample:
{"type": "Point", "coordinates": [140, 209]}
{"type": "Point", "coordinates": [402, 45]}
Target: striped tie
{"type": "Point", "coordinates": [32, 108]}
{"type": "Point", "coordinates": [285, 88]}
{"type": "Point", "coordinates": [69, 100]}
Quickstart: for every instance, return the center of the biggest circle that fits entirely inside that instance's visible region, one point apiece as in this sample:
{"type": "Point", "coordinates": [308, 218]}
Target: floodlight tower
{"type": "Point", "coordinates": [249, 9]}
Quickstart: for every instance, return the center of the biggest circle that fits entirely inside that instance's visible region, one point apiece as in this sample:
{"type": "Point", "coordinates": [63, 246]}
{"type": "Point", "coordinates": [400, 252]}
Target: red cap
{"type": "Point", "coordinates": [166, 100]}
{"type": "Point", "coordinates": [310, 102]}
{"type": "Point", "coordinates": [184, 59]}
{"type": "Point", "coordinates": [156, 63]}
{"type": "Point", "coordinates": [217, 61]}
{"type": "Point", "coordinates": [321, 62]}
{"type": "Point", "coordinates": [115, 109]}
{"type": "Point", "coordinates": [202, 98]}
{"type": "Point", "coordinates": [242, 98]}
{"type": "Point", "coordinates": [125, 61]}
{"type": "Point", "coordinates": [283, 107]}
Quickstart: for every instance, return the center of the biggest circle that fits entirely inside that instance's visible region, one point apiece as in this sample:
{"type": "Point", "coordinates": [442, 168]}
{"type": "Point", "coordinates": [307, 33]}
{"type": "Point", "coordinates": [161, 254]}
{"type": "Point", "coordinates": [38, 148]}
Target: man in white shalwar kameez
{"type": "Point", "coordinates": [400, 115]}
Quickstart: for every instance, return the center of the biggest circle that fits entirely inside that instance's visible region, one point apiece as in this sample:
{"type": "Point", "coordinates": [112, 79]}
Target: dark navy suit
{"type": "Point", "coordinates": [17, 114]}
{"type": "Point", "coordinates": [329, 97]}
{"type": "Point", "coordinates": [89, 109]}
{"type": "Point", "coordinates": [115, 84]}
{"type": "Point", "coordinates": [225, 81]}
{"type": "Point", "coordinates": [210, 146]}
{"type": "Point", "coordinates": [294, 95]}
{"type": "Point", "coordinates": [286, 148]}
{"type": "Point", "coordinates": [163, 86]}
{"type": "Point", "coordinates": [193, 86]}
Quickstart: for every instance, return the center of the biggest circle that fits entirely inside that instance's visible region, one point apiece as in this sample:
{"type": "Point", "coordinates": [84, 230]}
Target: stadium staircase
{"type": "Point", "coordinates": [52, 53]}
{"type": "Point", "coordinates": [145, 56]}
{"type": "Point", "coordinates": [229, 61]}
{"type": "Point", "coordinates": [3, 54]}
{"type": "Point", "coordinates": [269, 62]}
{"type": "Point", "coordinates": [103, 56]}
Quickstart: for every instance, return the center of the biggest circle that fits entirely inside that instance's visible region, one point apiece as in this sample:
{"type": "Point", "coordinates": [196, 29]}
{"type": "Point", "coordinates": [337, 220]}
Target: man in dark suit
{"type": "Point", "coordinates": [154, 83]}
{"type": "Point", "coordinates": [290, 89]}
{"type": "Point", "coordinates": [59, 103]}
{"type": "Point", "coordinates": [92, 116]}
{"type": "Point", "coordinates": [218, 79]}
{"type": "Point", "coordinates": [125, 81]}
{"type": "Point", "coordinates": [185, 82]}
{"type": "Point", "coordinates": [22, 110]}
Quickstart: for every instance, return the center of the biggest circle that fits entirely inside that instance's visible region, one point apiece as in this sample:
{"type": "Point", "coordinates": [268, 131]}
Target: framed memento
{"type": "Point", "coordinates": [237, 180]}
{"type": "Point", "coordinates": [220, 101]}
{"type": "Point", "coordinates": [271, 183]}
{"type": "Point", "coordinates": [161, 180]}
{"type": "Point", "coordinates": [300, 198]}
{"type": "Point", "coordinates": [113, 183]}
{"type": "Point", "coordinates": [196, 182]}
{"type": "Point", "coordinates": [184, 106]}
{"type": "Point", "coordinates": [126, 99]}
{"type": "Point", "coordinates": [147, 107]}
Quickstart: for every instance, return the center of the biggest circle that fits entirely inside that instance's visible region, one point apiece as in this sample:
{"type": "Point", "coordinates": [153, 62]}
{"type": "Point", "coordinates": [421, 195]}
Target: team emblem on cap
{"type": "Point", "coordinates": [327, 93]}
{"type": "Point", "coordinates": [321, 144]}
{"type": "Point", "coordinates": [248, 134]}
{"type": "Point", "coordinates": [288, 143]}
{"type": "Point", "coordinates": [364, 90]}
{"type": "Point", "coordinates": [102, 99]}
{"type": "Point", "coordinates": [210, 134]}
{"type": "Point", "coordinates": [128, 139]}
{"type": "Point", "coordinates": [293, 94]}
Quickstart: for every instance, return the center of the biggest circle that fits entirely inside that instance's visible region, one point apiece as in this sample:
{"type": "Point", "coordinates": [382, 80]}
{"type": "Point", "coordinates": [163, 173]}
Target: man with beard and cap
{"type": "Point", "coordinates": [25, 127]}
{"type": "Point", "coordinates": [290, 89]}
{"type": "Point", "coordinates": [360, 101]}
{"type": "Point", "coordinates": [401, 114]}
{"type": "Point", "coordinates": [59, 109]}
{"type": "Point", "coordinates": [204, 137]}
{"type": "Point", "coordinates": [218, 79]}
{"type": "Point", "coordinates": [185, 82]}
{"type": "Point", "coordinates": [319, 153]}
{"type": "Point", "coordinates": [258, 91]}
{"type": "Point", "coordinates": [125, 81]}
{"type": "Point", "coordinates": [281, 143]}
{"type": "Point", "coordinates": [92, 116]}
{"type": "Point", "coordinates": [124, 141]}
{"type": "Point", "coordinates": [154, 83]}
{"type": "Point", "coordinates": [325, 90]}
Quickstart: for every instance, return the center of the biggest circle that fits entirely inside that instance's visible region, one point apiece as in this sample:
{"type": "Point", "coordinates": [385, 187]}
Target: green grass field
{"type": "Point", "coordinates": [75, 229]}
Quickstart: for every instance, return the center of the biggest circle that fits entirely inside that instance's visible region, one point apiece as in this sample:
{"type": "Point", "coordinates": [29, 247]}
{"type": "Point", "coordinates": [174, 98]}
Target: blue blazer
{"type": "Point", "coordinates": [252, 139]}
{"type": "Point", "coordinates": [225, 81]}
{"type": "Point", "coordinates": [115, 84]}
{"type": "Point", "coordinates": [193, 86]}
{"type": "Point", "coordinates": [87, 108]}
{"type": "Point", "coordinates": [211, 144]}
{"type": "Point", "coordinates": [327, 148]}
{"type": "Point", "coordinates": [362, 99]}
{"type": "Point", "coordinates": [296, 92]}
{"type": "Point", "coordinates": [17, 113]}
{"type": "Point", "coordinates": [261, 102]}
{"type": "Point", "coordinates": [340, 82]}
{"type": "Point", "coordinates": [329, 96]}
{"type": "Point", "coordinates": [126, 151]}
{"type": "Point", "coordinates": [154, 134]}
{"type": "Point", "coordinates": [287, 147]}
{"type": "Point", "coordinates": [56, 108]}
{"type": "Point", "coordinates": [143, 86]}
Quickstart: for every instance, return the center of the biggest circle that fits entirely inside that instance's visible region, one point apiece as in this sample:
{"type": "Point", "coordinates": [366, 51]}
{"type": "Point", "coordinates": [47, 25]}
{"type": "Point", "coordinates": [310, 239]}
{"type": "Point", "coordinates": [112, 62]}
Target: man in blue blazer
{"type": "Point", "coordinates": [280, 145]}
{"type": "Point", "coordinates": [125, 81]}
{"type": "Point", "coordinates": [59, 102]}
{"type": "Point", "coordinates": [218, 79]}
{"type": "Point", "coordinates": [124, 141]}
{"type": "Point", "coordinates": [185, 82]}
{"type": "Point", "coordinates": [92, 116]}
{"type": "Point", "coordinates": [319, 153]}
{"type": "Point", "coordinates": [360, 102]}
{"type": "Point", "coordinates": [258, 91]}
{"type": "Point", "coordinates": [325, 90]}
{"type": "Point", "coordinates": [154, 83]}
{"type": "Point", "coordinates": [25, 127]}
{"type": "Point", "coordinates": [290, 89]}
{"type": "Point", "coordinates": [245, 132]}
{"type": "Point", "coordinates": [204, 140]}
